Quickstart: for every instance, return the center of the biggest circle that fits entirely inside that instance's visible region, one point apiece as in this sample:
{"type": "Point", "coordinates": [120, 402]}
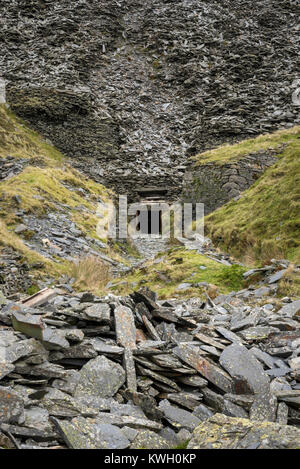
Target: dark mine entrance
{"type": "Point", "coordinates": [151, 217]}
{"type": "Point", "coordinates": [150, 221]}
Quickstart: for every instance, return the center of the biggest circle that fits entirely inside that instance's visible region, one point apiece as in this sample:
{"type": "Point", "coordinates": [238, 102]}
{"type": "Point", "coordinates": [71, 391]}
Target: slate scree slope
{"type": "Point", "coordinates": [130, 89]}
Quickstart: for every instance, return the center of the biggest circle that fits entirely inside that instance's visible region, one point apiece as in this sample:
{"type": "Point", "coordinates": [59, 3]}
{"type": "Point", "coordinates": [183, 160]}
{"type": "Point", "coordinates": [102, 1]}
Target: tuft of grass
{"type": "Point", "coordinates": [90, 274]}
{"type": "Point", "coordinates": [289, 285]}
{"type": "Point", "coordinates": [265, 222]}
{"type": "Point", "coordinates": [229, 153]}
{"type": "Point", "coordinates": [182, 266]}
{"type": "Point", "coordinates": [182, 445]}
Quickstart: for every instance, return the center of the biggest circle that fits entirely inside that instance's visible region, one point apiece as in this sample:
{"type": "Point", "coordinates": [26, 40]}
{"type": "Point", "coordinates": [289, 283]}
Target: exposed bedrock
{"type": "Point", "coordinates": [130, 89]}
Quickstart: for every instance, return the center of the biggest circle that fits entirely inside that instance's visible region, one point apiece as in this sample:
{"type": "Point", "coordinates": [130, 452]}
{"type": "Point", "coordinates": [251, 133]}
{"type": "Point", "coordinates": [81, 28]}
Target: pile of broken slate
{"type": "Point", "coordinates": [79, 371]}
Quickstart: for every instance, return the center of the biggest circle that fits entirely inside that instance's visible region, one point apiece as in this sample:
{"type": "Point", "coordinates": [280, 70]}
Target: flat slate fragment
{"type": "Point", "coordinates": [11, 405]}
{"type": "Point", "coordinates": [129, 366]}
{"type": "Point", "coordinates": [206, 368]}
{"type": "Point", "coordinates": [146, 439]}
{"type": "Point", "coordinates": [264, 407]}
{"type": "Point", "coordinates": [126, 420]}
{"type": "Point", "coordinates": [245, 368]}
{"type": "Point", "coordinates": [222, 432]}
{"type": "Point", "coordinates": [125, 327]}
{"type": "Point", "coordinates": [100, 377]}
{"type": "Point", "coordinates": [82, 434]}
{"type": "Point", "coordinates": [178, 418]}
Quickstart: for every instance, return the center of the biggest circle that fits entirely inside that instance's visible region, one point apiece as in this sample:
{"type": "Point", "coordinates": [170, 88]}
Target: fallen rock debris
{"type": "Point", "coordinates": [80, 371]}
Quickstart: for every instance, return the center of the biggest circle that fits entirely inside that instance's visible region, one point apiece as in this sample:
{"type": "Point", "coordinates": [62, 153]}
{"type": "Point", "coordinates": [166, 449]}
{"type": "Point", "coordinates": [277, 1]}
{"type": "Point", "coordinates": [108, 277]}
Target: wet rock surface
{"type": "Point", "coordinates": [105, 385]}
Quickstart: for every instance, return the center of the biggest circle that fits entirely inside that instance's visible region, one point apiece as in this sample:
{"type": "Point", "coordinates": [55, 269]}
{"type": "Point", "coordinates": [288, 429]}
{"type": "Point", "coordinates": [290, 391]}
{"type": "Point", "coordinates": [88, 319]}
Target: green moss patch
{"type": "Point", "coordinates": [182, 266]}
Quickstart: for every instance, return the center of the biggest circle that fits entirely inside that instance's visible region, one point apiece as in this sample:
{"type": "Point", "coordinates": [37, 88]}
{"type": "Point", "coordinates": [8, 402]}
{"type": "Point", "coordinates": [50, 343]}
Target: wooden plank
{"type": "Point", "coordinates": [39, 298]}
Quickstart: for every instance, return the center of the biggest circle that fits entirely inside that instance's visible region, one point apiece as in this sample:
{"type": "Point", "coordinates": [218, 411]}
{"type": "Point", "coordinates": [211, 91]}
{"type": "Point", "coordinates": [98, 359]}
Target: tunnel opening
{"type": "Point", "coordinates": [151, 216]}
{"type": "Point", "coordinates": [150, 221]}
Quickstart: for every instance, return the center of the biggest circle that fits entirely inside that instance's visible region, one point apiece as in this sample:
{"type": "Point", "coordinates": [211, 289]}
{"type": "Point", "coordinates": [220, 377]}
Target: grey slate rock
{"type": "Point", "coordinates": [290, 310]}
{"type": "Point", "coordinates": [146, 439]}
{"type": "Point", "coordinates": [223, 432]}
{"type": "Point", "coordinates": [245, 368]}
{"type": "Point", "coordinates": [100, 377]}
{"type": "Point", "coordinates": [264, 407]}
{"type": "Point", "coordinates": [82, 434]}
{"type": "Point", "coordinates": [178, 418]}
{"type": "Point", "coordinates": [11, 406]}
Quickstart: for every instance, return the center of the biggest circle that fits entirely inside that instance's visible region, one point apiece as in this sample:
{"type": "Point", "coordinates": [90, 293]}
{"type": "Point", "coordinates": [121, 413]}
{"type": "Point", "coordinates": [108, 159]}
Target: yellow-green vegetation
{"type": "Point", "coordinates": [178, 266]}
{"type": "Point", "coordinates": [44, 189]}
{"type": "Point", "coordinates": [229, 153]}
{"type": "Point", "coordinates": [265, 222]}
{"type": "Point", "coordinates": [90, 274]}
{"type": "Point", "coordinates": [290, 283]}
{"type": "Point", "coordinates": [47, 183]}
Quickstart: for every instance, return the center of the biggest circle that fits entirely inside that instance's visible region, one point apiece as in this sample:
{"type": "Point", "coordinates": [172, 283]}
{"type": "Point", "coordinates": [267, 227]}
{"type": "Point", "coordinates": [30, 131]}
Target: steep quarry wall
{"type": "Point", "coordinates": [130, 89]}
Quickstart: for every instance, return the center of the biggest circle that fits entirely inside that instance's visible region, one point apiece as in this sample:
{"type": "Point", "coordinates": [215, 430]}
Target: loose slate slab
{"type": "Point", "coordinates": [290, 397]}
{"type": "Point", "coordinates": [178, 418]}
{"type": "Point", "coordinates": [264, 407]}
{"type": "Point", "coordinates": [189, 401]}
{"type": "Point", "coordinates": [208, 340]}
{"type": "Point", "coordinates": [11, 405]}
{"type": "Point", "coordinates": [82, 434]}
{"type": "Point", "coordinates": [150, 328]}
{"type": "Point", "coordinates": [247, 371]}
{"type": "Point", "coordinates": [129, 366]}
{"type": "Point", "coordinates": [99, 312]}
{"type": "Point", "coordinates": [39, 298]}
{"type": "Point", "coordinates": [25, 348]}
{"type": "Point", "coordinates": [159, 378]}
{"type": "Point", "coordinates": [23, 432]}
{"type": "Point", "coordinates": [229, 335]}
{"type": "Point", "coordinates": [291, 310]}
{"type": "Point", "coordinates": [54, 339]}
{"type": "Point", "coordinates": [60, 404]}
{"type": "Point", "coordinates": [222, 432]}
{"type": "Point", "coordinates": [31, 325]}
{"type": "Point", "coordinates": [5, 369]}
{"type": "Point", "coordinates": [127, 420]}
{"type": "Point", "coordinates": [147, 439]}
{"type": "Point", "coordinates": [194, 381]}
{"type": "Point", "coordinates": [100, 377]}
{"type": "Point", "coordinates": [125, 327]}
{"type": "Point", "coordinates": [206, 368]}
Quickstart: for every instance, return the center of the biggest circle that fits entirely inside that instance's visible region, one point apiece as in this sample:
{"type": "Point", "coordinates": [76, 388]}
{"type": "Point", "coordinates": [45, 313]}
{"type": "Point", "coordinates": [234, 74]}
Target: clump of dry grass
{"type": "Point", "coordinates": [90, 273]}
{"type": "Point", "coordinates": [290, 283]}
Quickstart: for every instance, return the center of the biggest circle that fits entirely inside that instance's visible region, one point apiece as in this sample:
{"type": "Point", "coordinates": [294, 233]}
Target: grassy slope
{"type": "Point", "coordinates": [182, 266]}
{"type": "Point", "coordinates": [229, 153]}
{"type": "Point", "coordinates": [44, 183]}
{"type": "Point", "coordinates": [265, 221]}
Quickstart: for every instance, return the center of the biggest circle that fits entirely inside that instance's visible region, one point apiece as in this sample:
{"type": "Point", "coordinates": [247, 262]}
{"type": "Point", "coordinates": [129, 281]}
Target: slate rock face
{"type": "Point", "coordinates": [245, 368]}
{"type": "Point", "coordinates": [81, 434]}
{"type": "Point", "coordinates": [11, 406]}
{"type": "Point", "coordinates": [135, 87]}
{"type": "Point", "coordinates": [100, 377]}
{"type": "Point", "coordinates": [221, 432]}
